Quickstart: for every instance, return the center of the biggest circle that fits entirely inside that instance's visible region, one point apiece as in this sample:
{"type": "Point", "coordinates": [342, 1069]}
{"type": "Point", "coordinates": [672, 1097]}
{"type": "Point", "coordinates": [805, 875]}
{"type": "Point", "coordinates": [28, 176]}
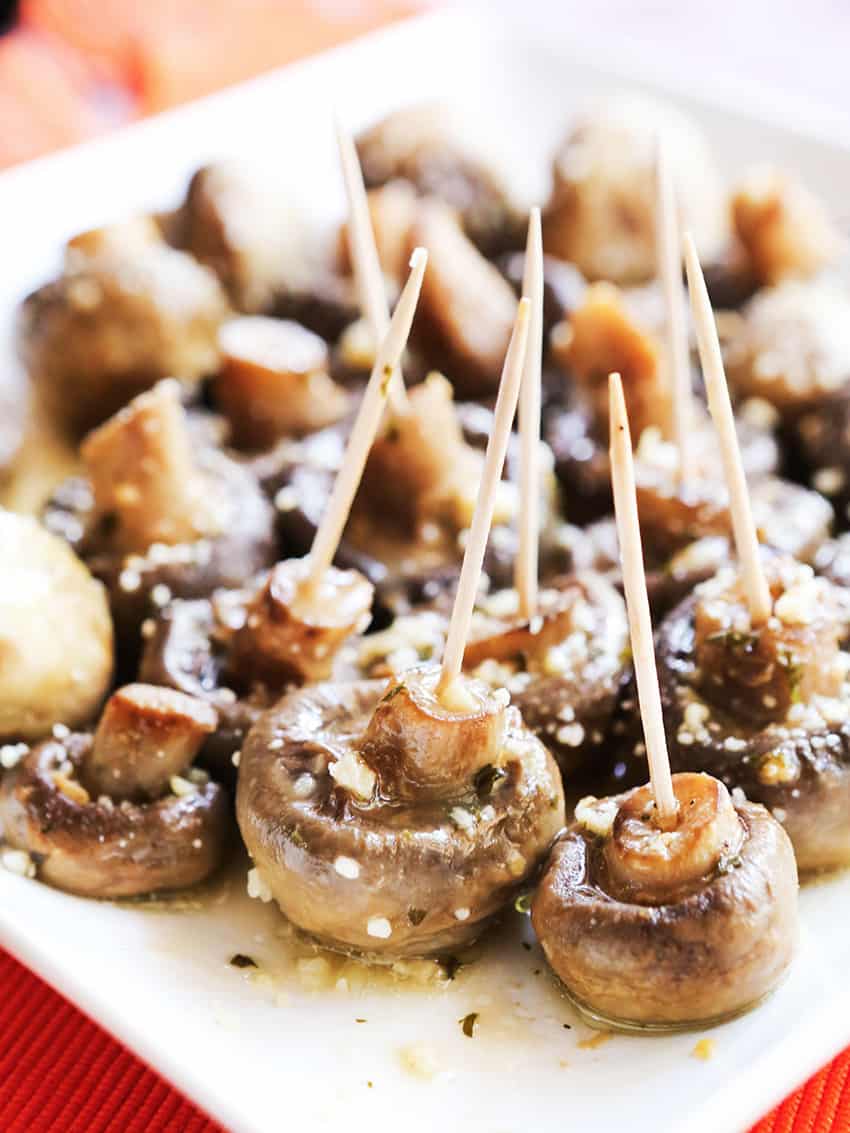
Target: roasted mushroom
{"type": "Point", "coordinates": [121, 812]}
{"type": "Point", "coordinates": [274, 381]}
{"type": "Point", "coordinates": [156, 519]}
{"type": "Point", "coordinates": [791, 346]}
{"type": "Point", "coordinates": [601, 215]}
{"type": "Point", "coordinates": [767, 707]}
{"type": "Point", "coordinates": [127, 311]}
{"type": "Point", "coordinates": [240, 650]}
{"type": "Point", "coordinates": [383, 822]}
{"type": "Point", "coordinates": [605, 336]}
{"type": "Point", "coordinates": [667, 929]}
{"type": "Point", "coordinates": [565, 668]}
{"type": "Point", "coordinates": [424, 147]}
{"type": "Point", "coordinates": [55, 633]}
{"type": "Point", "coordinates": [466, 309]}
{"type": "Point", "coordinates": [783, 228]}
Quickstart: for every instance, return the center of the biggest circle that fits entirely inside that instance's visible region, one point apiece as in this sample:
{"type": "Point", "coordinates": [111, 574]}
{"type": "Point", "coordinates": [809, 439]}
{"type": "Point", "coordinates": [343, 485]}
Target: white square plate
{"type": "Point", "coordinates": [255, 1048]}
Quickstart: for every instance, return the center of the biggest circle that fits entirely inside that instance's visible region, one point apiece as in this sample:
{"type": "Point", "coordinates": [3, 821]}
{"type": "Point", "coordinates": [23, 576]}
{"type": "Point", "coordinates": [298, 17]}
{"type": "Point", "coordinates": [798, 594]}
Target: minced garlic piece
{"type": "Point", "coordinates": [71, 789]}
{"type": "Point", "coordinates": [257, 887]}
{"type": "Point", "coordinates": [347, 867]}
{"type": "Point", "coordinates": [351, 773]}
{"type": "Point", "coordinates": [456, 697]}
{"type": "Point", "coordinates": [596, 815]}
{"type": "Point", "coordinates": [379, 927]}
{"type": "Point", "coordinates": [17, 861]}
{"type": "Point", "coordinates": [180, 786]}
{"type": "Point", "coordinates": [777, 767]}
{"type": "Point", "coordinates": [798, 606]}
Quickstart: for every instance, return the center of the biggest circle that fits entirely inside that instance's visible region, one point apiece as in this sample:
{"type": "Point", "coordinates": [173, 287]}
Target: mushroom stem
{"type": "Point", "coordinates": [668, 247]}
{"type": "Point", "coordinates": [497, 447]}
{"type": "Point", "coordinates": [525, 568]}
{"type": "Point", "coordinates": [143, 475]}
{"type": "Point", "coordinates": [366, 424]}
{"type": "Point", "coordinates": [146, 736]}
{"type": "Point", "coordinates": [364, 257]}
{"type": "Point", "coordinates": [637, 605]}
{"type": "Point", "coordinates": [720, 407]}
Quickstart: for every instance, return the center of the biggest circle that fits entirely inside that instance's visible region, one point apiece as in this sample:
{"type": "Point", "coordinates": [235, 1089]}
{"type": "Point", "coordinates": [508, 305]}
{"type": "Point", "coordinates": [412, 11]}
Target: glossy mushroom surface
{"type": "Point", "coordinates": [160, 516]}
{"type": "Point", "coordinates": [767, 709]}
{"type": "Point", "coordinates": [240, 650]}
{"type": "Point", "coordinates": [384, 823]}
{"type": "Point", "coordinates": [127, 312]}
{"type": "Point", "coordinates": [669, 929]}
{"type": "Point", "coordinates": [95, 812]}
{"type": "Point", "coordinates": [565, 668]}
{"type": "Point", "coordinates": [56, 641]}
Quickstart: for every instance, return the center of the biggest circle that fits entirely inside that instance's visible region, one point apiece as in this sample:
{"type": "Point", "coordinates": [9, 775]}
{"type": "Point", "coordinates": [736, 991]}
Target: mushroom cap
{"type": "Point", "coordinates": [55, 633]}
{"type": "Point", "coordinates": [139, 584]}
{"type": "Point", "coordinates": [697, 960]}
{"type": "Point", "coordinates": [97, 848]}
{"type": "Point", "coordinates": [799, 770]}
{"type": "Point", "coordinates": [385, 877]}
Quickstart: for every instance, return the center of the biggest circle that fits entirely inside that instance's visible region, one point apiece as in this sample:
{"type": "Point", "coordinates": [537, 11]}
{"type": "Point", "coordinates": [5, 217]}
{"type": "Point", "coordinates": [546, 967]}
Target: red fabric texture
{"type": "Point", "coordinates": [60, 1073]}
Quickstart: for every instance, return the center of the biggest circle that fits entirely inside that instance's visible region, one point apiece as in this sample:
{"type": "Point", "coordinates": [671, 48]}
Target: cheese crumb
{"type": "Point", "coordinates": [347, 867]}
{"type": "Point", "coordinates": [596, 815]}
{"type": "Point", "coordinates": [17, 861]}
{"type": "Point", "coordinates": [257, 887]}
{"type": "Point", "coordinates": [379, 927]}
{"type": "Point", "coordinates": [351, 773]}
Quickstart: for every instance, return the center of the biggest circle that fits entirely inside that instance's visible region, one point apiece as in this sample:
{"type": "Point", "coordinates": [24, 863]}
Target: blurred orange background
{"type": "Point", "coordinates": [70, 69]}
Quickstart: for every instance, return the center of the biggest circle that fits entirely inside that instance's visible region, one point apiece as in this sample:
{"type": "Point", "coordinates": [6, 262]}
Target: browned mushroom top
{"type": "Point", "coordinates": [767, 708]}
{"type": "Point", "coordinates": [162, 515]}
{"type": "Point", "coordinates": [127, 312]}
{"type": "Point", "coordinates": [385, 822]}
{"type": "Point", "coordinates": [121, 812]}
{"type": "Point", "coordinates": [624, 902]}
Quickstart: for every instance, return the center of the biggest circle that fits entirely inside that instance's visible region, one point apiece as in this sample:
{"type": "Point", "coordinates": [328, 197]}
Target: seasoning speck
{"type": "Point", "coordinates": [239, 960]}
{"type": "Point", "coordinates": [703, 1050]}
{"type": "Point", "coordinates": [468, 1023]}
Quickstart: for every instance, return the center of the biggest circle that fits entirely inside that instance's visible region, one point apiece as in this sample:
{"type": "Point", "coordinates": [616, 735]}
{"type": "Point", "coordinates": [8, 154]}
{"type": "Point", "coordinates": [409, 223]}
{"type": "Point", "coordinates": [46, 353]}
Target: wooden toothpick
{"type": "Point", "coordinates": [364, 255]}
{"type": "Point", "coordinates": [668, 247]}
{"type": "Point", "coordinates": [366, 424]}
{"type": "Point", "coordinates": [720, 407]}
{"type": "Point", "coordinates": [479, 529]}
{"type": "Point", "coordinates": [637, 604]}
{"type": "Point", "coordinates": [525, 568]}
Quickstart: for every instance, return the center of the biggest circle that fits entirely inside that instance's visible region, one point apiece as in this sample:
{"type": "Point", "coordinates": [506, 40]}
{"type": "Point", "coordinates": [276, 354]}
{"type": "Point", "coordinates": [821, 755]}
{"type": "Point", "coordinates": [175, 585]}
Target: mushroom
{"type": "Point", "coordinates": [467, 306]}
{"type": "Point", "coordinates": [426, 147]}
{"type": "Point", "coordinates": [274, 381]}
{"type": "Point", "coordinates": [240, 650]}
{"type": "Point", "coordinates": [255, 241]}
{"type": "Point", "coordinates": [767, 707]}
{"type": "Point", "coordinates": [782, 226]}
{"type": "Point", "coordinates": [669, 906]}
{"type": "Point", "coordinates": [158, 519]}
{"type": "Point", "coordinates": [127, 311]}
{"type": "Point", "coordinates": [565, 667]}
{"type": "Point", "coordinates": [654, 929]}
{"type": "Point", "coordinates": [601, 214]}
{"type": "Point", "coordinates": [791, 346]}
{"type": "Point", "coordinates": [384, 823]}
{"type": "Point", "coordinates": [604, 336]}
{"type": "Point", "coordinates": [121, 812]}
{"type": "Point", "coordinates": [55, 633]}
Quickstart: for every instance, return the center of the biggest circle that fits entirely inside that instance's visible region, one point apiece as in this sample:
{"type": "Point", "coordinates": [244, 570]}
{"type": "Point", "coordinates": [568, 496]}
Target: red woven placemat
{"type": "Point", "coordinates": [60, 1073]}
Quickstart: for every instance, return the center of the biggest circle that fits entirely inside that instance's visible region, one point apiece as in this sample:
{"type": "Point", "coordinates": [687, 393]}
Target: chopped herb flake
{"type": "Point", "coordinates": [241, 961]}
{"type": "Point", "coordinates": [416, 916]}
